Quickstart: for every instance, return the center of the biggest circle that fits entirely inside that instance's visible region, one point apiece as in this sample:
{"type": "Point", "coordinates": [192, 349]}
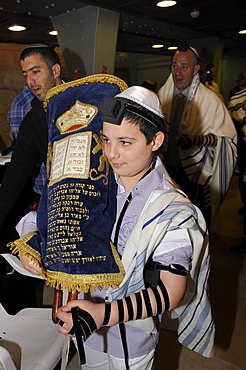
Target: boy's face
{"type": "Point", "coordinates": [127, 151]}
{"type": "Point", "coordinates": [39, 77]}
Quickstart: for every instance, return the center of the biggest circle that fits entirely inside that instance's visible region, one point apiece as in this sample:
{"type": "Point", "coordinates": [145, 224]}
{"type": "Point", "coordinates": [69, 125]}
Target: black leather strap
{"type": "Point", "coordinates": [147, 303]}
{"type": "Point", "coordinates": [87, 323]}
{"type": "Point", "coordinates": [124, 344]}
{"type": "Point", "coordinates": [139, 306]}
{"type": "Point", "coordinates": [122, 213]}
{"type": "Point", "coordinates": [79, 335]}
{"type": "Point", "coordinates": [165, 295]}
{"type": "Point", "coordinates": [107, 314]}
{"type": "Point", "coordinates": [120, 310]}
{"type": "Point", "coordinates": [129, 308]}
{"type": "Point", "coordinates": [158, 300]}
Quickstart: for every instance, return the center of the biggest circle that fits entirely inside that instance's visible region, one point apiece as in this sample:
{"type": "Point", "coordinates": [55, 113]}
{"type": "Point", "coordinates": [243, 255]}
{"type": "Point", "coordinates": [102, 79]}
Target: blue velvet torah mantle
{"type": "Point", "coordinates": [77, 208]}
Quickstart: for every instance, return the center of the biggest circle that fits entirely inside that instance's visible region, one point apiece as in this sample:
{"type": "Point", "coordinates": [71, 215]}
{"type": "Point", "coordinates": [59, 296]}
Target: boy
{"type": "Point", "coordinates": [156, 233]}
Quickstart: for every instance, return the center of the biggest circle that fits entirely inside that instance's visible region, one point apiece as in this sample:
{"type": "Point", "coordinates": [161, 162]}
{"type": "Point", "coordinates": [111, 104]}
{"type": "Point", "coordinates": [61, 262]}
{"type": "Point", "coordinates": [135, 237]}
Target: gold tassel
{"type": "Point", "coordinates": [65, 281]}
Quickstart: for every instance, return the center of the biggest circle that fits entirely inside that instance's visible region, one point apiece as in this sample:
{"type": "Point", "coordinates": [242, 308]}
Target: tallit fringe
{"type": "Point", "coordinates": [84, 81]}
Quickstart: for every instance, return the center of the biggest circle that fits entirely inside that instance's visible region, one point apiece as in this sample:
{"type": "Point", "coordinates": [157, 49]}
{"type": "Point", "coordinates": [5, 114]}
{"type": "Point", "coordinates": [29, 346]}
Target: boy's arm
{"type": "Point", "coordinates": [147, 303]}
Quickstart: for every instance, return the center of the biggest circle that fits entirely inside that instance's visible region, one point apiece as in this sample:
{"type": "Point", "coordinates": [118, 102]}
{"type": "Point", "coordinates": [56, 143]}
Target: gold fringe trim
{"type": "Point", "coordinates": [83, 81]}
{"type": "Point", "coordinates": [88, 282]}
{"type": "Point", "coordinates": [70, 282]}
{"type": "Point", "coordinates": [21, 248]}
{"type": "Point", "coordinates": [83, 283]}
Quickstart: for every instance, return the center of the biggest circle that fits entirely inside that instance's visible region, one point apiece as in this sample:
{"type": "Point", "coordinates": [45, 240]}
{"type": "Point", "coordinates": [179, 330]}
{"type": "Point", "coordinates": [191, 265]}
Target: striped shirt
{"type": "Point", "coordinates": [18, 110]}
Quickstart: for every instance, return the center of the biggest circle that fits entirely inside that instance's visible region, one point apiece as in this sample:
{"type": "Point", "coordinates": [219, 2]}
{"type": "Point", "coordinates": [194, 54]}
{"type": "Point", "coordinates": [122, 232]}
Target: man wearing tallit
{"type": "Point", "coordinates": [200, 135]}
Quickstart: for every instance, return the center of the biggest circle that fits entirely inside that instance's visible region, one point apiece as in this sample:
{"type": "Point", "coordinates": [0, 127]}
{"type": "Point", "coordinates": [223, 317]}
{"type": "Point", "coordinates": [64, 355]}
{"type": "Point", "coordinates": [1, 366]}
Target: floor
{"type": "Point", "coordinates": [228, 299]}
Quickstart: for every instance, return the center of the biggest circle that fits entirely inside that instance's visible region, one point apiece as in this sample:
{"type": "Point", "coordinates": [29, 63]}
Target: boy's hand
{"type": "Point", "coordinates": [96, 310]}
{"type": "Point", "coordinates": [29, 265]}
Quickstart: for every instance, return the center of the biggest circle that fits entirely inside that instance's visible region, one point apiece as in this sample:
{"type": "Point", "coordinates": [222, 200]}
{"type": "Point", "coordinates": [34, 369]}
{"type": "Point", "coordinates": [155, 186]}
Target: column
{"type": "Point", "coordinates": [88, 37]}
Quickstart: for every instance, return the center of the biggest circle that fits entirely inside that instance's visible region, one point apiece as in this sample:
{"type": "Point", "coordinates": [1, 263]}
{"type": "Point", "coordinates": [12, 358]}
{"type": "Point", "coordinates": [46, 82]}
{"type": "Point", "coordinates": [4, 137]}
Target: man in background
{"type": "Point", "coordinates": [241, 84]}
{"type": "Point", "coordinates": [200, 136]}
{"type": "Point", "coordinates": [17, 111]}
{"type": "Point", "coordinates": [19, 108]}
{"type": "Point", "coordinates": [204, 78]}
{"type": "Point", "coordinates": [237, 110]}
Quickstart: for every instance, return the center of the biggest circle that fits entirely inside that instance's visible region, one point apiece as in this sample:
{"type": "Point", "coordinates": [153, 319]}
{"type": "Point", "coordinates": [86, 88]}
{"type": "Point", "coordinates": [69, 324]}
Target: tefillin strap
{"type": "Point", "coordinates": [123, 211]}
{"type": "Point", "coordinates": [143, 303]}
{"type": "Point", "coordinates": [128, 302]}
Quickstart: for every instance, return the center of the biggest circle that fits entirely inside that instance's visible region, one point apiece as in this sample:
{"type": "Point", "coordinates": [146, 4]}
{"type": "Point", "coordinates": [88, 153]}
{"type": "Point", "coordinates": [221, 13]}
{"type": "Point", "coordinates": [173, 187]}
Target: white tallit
{"type": "Point", "coordinates": [206, 114]}
{"type": "Point", "coordinates": [235, 106]}
{"type": "Point", "coordinates": [165, 211]}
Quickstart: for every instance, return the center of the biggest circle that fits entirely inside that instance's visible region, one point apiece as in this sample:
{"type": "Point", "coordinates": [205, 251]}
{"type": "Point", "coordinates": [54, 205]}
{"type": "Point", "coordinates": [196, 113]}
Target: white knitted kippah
{"type": "Point", "coordinates": [142, 96]}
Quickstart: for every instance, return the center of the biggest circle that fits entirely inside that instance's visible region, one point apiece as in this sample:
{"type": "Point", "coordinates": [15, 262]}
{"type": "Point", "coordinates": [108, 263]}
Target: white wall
{"type": "Point", "coordinates": [134, 68]}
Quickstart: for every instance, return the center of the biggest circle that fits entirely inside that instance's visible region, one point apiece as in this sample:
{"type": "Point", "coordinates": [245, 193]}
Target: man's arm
{"type": "Point", "coordinates": [187, 141]}
{"type": "Point", "coordinates": [25, 157]}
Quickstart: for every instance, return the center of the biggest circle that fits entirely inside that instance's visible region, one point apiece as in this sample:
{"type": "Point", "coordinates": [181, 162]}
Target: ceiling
{"type": "Point", "coordinates": [141, 22]}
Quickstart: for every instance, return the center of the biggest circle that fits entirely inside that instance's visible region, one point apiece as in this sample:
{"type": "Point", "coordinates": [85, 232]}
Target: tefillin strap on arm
{"type": "Point", "coordinates": [152, 271]}
{"type": "Point", "coordinates": [133, 308]}
{"type": "Point", "coordinates": [83, 326]}
{"type": "Point", "coordinates": [135, 311]}
{"type": "Point", "coordinates": [153, 284]}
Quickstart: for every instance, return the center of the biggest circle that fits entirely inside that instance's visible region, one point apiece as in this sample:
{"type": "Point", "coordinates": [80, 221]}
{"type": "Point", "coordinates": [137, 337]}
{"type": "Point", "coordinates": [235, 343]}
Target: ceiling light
{"type": "Point", "coordinates": [157, 46]}
{"type": "Point", "coordinates": [172, 48]}
{"type": "Point", "coordinates": [165, 3]}
{"type": "Point", "coordinates": [53, 33]}
{"type": "Point", "coordinates": [242, 32]}
{"type": "Point", "coordinates": [17, 28]}
{"type": "Point", "coordinates": [195, 13]}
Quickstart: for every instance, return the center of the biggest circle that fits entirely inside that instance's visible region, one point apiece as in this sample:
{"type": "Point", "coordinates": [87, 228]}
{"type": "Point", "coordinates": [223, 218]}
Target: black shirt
{"type": "Point", "coordinates": [29, 153]}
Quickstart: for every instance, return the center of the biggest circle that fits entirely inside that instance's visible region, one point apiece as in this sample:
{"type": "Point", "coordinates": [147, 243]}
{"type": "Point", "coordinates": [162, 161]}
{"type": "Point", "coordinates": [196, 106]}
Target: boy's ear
{"type": "Point", "coordinates": [158, 140]}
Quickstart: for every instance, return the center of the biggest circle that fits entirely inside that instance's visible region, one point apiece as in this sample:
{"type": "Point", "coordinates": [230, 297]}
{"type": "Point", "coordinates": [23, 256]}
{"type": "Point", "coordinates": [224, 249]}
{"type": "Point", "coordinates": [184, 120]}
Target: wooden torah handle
{"type": "Point", "coordinates": [57, 303]}
{"type": "Point", "coordinates": [72, 296]}
{"type": "Point", "coordinates": [76, 73]}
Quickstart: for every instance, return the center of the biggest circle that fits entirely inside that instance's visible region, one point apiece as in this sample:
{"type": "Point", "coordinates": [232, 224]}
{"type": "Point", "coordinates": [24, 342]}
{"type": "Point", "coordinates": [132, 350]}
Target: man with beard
{"type": "Point", "coordinates": [41, 69]}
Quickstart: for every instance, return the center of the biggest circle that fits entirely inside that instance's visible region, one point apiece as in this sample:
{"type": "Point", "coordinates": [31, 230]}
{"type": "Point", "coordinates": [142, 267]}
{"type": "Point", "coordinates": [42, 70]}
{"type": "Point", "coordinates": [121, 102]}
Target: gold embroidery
{"type": "Point", "coordinates": [66, 208]}
{"type": "Point", "coordinates": [83, 81]}
{"type": "Point", "coordinates": [103, 162]}
{"type": "Point", "coordinates": [77, 117]}
{"type": "Point", "coordinates": [72, 282]}
{"type": "Point", "coordinates": [86, 282]}
{"type": "Point", "coordinates": [71, 157]}
{"type": "Point", "coordinates": [48, 159]}
{"type": "Point", "coordinates": [98, 146]}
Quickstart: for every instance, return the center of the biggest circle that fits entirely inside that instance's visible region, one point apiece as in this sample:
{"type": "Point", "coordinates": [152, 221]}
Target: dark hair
{"type": "Point", "coordinates": [47, 53]}
{"type": "Point", "coordinates": [151, 85]}
{"type": "Point", "coordinates": [183, 46]}
{"type": "Point", "coordinates": [147, 129]}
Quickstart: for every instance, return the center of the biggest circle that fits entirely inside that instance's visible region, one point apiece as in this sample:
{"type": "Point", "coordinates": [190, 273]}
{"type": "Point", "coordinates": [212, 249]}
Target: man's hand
{"type": "Point", "coordinates": [185, 141]}
{"type": "Point", "coordinates": [29, 265]}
